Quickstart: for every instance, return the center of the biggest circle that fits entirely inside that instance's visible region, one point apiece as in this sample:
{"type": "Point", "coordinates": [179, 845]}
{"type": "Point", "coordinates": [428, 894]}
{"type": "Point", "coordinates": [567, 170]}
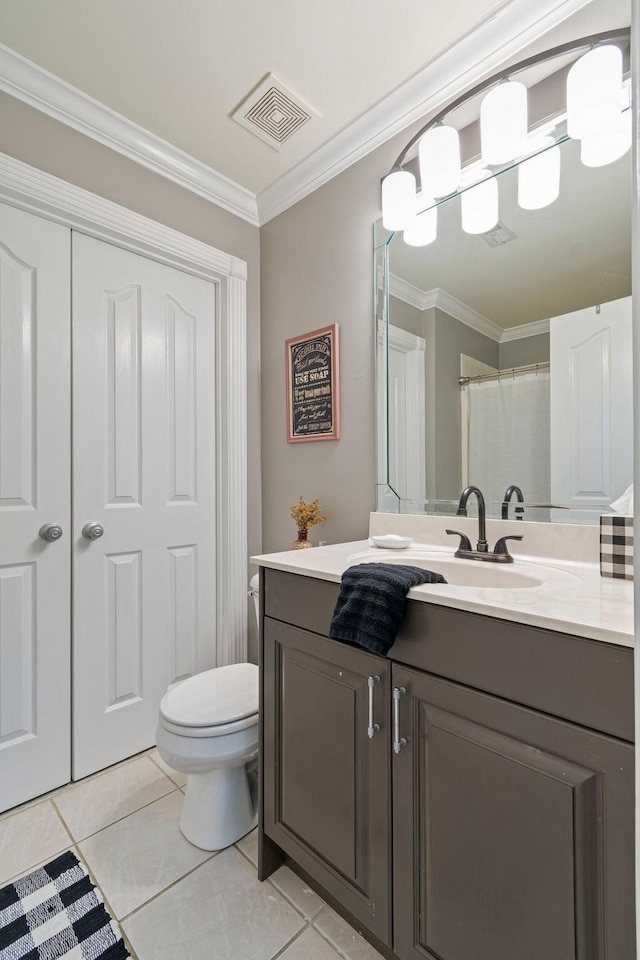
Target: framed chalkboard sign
{"type": "Point", "coordinates": [313, 394]}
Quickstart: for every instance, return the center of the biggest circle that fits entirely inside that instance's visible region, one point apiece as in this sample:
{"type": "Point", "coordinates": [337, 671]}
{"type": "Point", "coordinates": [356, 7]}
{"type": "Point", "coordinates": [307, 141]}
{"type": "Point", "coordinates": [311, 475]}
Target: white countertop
{"type": "Point", "coordinates": [572, 598]}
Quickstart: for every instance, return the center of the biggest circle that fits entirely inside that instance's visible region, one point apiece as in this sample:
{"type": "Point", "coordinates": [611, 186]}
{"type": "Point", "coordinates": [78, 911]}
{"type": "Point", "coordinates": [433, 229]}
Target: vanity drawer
{"type": "Point", "coordinates": [584, 681]}
{"type": "Point", "coordinates": [299, 600]}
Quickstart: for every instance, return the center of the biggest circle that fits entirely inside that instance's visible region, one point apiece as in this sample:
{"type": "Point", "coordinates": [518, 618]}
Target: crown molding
{"type": "Point", "coordinates": [492, 42]}
{"type": "Point", "coordinates": [38, 192]}
{"type": "Point", "coordinates": [407, 292]}
{"type": "Point", "coordinates": [427, 299]}
{"type": "Point", "coordinates": [489, 44]}
{"type": "Point", "coordinates": [460, 311]}
{"type": "Point", "coordinates": [525, 330]}
{"type": "Point", "coordinates": [38, 88]}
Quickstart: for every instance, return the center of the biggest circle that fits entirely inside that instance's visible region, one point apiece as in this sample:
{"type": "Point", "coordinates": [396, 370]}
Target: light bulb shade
{"type": "Point", "coordinates": [398, 199]}
{"type": "Point", "coordinates": [598, 151]}
{"type": "Point", "coordinates": [439, 152]}
{"type": "Point", "coordinates": [503, 123]}
{"type": "Point", "coordinates": [593, 92]}
{"type": "Point", "coordinates": [479, 207]}
{"type": "Point", "coordinates": [539, 179]}
{"type": "Point", "coordinates": [422, 229]}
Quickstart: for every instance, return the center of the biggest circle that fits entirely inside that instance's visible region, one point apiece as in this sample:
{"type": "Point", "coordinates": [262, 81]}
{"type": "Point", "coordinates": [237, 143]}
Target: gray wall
{"type": "Point", "coordinates": [406, 317]}
{"type": "Point", "coordinates": [518, 353]}
{"type": "Point", "coordinates": [451, 338]}
{"type": "Point", "coordinates": [316, 269]}
{"type": "Point", "coordinates": [51, 146]}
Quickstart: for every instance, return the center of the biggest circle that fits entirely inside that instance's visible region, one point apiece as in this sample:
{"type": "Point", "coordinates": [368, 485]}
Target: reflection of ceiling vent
{"type": "Point", "coordinates": [273, 112]}
{"type": "Point", "coordinates": [499, 235]}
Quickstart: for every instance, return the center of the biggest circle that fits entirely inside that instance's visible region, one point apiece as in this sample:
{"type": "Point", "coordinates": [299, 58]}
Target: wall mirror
{"type": "Point", "coordinates": [505, 358]}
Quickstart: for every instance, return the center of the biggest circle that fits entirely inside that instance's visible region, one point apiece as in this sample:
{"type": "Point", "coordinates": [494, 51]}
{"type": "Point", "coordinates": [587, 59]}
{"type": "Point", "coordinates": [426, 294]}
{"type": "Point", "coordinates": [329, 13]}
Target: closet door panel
{"type": "Point", "coordinates": [144, 603]}
{"type": "Point", "coordinates": [34, 490]}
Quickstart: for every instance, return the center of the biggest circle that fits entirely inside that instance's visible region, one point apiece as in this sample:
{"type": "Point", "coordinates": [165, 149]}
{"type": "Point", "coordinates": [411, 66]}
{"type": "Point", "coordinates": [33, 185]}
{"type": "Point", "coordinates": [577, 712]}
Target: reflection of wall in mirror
{"type": "Point", "coordinates": [447, 340]}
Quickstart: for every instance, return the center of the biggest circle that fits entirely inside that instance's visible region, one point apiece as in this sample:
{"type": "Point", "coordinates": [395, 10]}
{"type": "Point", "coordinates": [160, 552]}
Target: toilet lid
{"type": "Point", "coordinates": [214, 697]}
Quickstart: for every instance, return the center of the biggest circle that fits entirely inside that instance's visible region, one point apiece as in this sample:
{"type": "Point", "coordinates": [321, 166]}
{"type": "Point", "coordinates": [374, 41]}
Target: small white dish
{"type": "Point", "coordinates": [392, 541]}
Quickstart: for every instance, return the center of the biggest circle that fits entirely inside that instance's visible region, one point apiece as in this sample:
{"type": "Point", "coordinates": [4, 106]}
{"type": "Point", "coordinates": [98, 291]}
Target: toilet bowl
{"type": "Point", "coordinates": [208, 729]}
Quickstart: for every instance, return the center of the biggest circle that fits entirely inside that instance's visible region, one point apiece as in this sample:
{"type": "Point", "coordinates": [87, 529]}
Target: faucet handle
{"type": "Point", "coordinates": [465, 543]}
{"type": "Point", "coordinates": [501, 545]}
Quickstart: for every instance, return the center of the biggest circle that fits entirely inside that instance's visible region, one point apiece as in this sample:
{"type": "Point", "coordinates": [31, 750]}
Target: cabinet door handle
{"type": "Point", "coordinates": [373, 728]}
{"type": "Point", "coordinates": [398, 741]}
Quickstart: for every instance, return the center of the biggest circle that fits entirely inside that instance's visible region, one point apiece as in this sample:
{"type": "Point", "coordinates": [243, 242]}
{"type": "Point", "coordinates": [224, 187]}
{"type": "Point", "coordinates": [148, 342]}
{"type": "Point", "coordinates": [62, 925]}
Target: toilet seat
{"type": "Point", "coordinates": [217, 730]}
{"type": "Point", "coordinates": [213, 703]}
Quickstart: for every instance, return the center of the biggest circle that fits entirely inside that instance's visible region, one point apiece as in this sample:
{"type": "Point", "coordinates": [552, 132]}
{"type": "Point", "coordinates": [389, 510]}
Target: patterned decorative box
{"type": "Point", "coordinates": [616, 547]}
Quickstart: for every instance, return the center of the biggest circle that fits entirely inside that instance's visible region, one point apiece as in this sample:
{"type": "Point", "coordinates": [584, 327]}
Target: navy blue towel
{"type": "Point", "coordinates": [370, 605]}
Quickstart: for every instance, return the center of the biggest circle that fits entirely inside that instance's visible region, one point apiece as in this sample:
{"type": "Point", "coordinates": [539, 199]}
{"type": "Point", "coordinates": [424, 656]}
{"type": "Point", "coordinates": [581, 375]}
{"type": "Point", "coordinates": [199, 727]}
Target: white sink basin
{"type": "Point", "coordinates": [467, 573]}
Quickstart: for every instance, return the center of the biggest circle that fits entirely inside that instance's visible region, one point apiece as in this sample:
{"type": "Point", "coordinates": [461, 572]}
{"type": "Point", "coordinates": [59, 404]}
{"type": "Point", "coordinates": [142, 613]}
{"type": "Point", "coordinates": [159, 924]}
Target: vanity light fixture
{"type": "Point", "coordinates": [594, 115]}
{"type": "Point", "coordinates": [398, 199]}
{"type": "Point", "coordinates": [479, 204]}
{"type": "Point", "coordinates": [422, 229]}
{"type": "Point", "coordinates": [598, 151]}
{"type": "Point", "coordinates": [539, 175]}
{"type": "Point", "coordinates": [439, 153]}
{"type": "Point", "coordinates": [503, 123]}
{"type": "Point", "coordinates": [593, 92]}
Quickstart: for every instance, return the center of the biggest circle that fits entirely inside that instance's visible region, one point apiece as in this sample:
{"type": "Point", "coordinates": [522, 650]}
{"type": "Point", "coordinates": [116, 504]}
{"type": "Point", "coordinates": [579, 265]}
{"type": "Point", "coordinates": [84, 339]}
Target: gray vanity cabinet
{"type": "Point", "coordinates": [490, 818]}
{"type": "Point", "coordinates": [326, 782]}
{"type": "Point", "coordinates": [512, 832]}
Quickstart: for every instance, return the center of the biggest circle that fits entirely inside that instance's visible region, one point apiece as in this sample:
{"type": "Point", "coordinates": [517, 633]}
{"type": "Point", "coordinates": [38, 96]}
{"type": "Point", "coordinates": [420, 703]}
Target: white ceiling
{"type": "Point", "coordinates": [179, 70]}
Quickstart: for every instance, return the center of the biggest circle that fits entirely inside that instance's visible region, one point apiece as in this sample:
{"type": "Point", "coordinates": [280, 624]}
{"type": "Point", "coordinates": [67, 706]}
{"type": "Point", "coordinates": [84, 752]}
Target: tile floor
{"type": "Point", "coordinates": [173, 901]}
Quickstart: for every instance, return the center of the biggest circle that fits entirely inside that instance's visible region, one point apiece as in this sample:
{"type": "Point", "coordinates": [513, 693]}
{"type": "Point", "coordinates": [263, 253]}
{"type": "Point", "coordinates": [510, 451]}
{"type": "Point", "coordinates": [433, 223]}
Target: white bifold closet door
{"type": "Point", "coordinates": [34, 490]}
{"type": "Point", "coordinates": [144, 471]}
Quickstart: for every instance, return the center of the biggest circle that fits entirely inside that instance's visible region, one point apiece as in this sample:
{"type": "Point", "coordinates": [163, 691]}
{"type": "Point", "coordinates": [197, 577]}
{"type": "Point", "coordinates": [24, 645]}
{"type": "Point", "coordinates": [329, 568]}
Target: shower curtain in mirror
{"type": "Point", "coordinates": [508, 435]}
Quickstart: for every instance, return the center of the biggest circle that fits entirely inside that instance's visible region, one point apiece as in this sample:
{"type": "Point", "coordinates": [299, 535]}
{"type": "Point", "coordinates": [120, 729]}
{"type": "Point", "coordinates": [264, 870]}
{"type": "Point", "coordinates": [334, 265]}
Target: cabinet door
{"type": "Point", "coordinates": [326, 783]}
{"type": "Point", "coordinates": [513, 831]}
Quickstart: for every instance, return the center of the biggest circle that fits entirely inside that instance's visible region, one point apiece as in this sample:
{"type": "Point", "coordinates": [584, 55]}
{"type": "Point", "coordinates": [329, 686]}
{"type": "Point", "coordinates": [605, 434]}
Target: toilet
{"type": "Point", "coordinates": [208, 729]}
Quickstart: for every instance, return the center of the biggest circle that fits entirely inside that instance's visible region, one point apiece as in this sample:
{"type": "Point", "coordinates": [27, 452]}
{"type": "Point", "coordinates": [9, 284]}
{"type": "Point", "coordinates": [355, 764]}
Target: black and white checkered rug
{"type": "Point", "coordinates": [56, 912]}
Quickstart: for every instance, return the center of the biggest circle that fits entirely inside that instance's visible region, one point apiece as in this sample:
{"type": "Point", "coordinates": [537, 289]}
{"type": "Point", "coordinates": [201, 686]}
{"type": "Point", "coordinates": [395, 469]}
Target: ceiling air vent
{"type": "Point", "coordinates": [273, 112]}
{"type": "Point", "coordinates": [499, 235]}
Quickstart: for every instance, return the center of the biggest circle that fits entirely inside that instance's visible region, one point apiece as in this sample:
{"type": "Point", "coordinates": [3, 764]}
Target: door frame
{"type": "Point", "coordinates": [35, 191]}
{"type": "Point", "coordinates": [413, 348]}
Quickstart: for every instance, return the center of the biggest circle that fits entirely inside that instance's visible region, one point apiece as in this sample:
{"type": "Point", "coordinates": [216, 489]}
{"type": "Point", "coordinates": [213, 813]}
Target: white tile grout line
{"type": "Point", "coordinates": [162, 770]}
{"type": "Point", "coordinates": [340, 953]}
{"type": "Point", "coordinates": [290, 942]}
{"type": "Point", "coordinates": [65, 787]}
{"type": "Point", "coordinates": [245, 855]}
{"type": "Point", "coordinates": [50, 798]}
{"type": "Point", "coordinates": [120, 819]}
{"type": "Point", "coordinates": [62, 821]}
{"type": "Point", "coordinates": [110, 909]}
{"type": "Point", "coordinates": [52, 795]}
{"type": "Point", "coordinates": [174, 883]}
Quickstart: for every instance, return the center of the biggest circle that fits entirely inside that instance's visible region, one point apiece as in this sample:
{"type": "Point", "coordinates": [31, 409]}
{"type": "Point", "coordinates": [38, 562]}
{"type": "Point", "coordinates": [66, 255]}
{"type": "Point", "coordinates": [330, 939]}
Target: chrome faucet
{"type": "Point", "coordinates": [499, 554]}
{"type": "Point", "coordinates": [510, 491]}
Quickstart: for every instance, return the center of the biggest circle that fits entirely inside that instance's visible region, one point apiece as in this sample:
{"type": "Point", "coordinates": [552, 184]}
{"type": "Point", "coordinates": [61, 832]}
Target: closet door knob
{"type": "Point", "coordinates": [93, 530]}
{"type": "Point", "coordinates": [50, 532]}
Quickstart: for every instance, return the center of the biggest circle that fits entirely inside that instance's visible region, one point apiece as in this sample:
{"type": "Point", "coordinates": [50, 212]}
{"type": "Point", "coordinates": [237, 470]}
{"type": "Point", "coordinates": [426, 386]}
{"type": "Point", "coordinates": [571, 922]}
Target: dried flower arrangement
{"type": "Point", "coordinates": [307, 514]}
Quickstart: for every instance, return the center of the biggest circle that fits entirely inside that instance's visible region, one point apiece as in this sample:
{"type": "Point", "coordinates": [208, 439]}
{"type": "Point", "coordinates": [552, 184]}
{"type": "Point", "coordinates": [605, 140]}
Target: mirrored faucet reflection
{"type": "Point", "coordinates": [509, 492]}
